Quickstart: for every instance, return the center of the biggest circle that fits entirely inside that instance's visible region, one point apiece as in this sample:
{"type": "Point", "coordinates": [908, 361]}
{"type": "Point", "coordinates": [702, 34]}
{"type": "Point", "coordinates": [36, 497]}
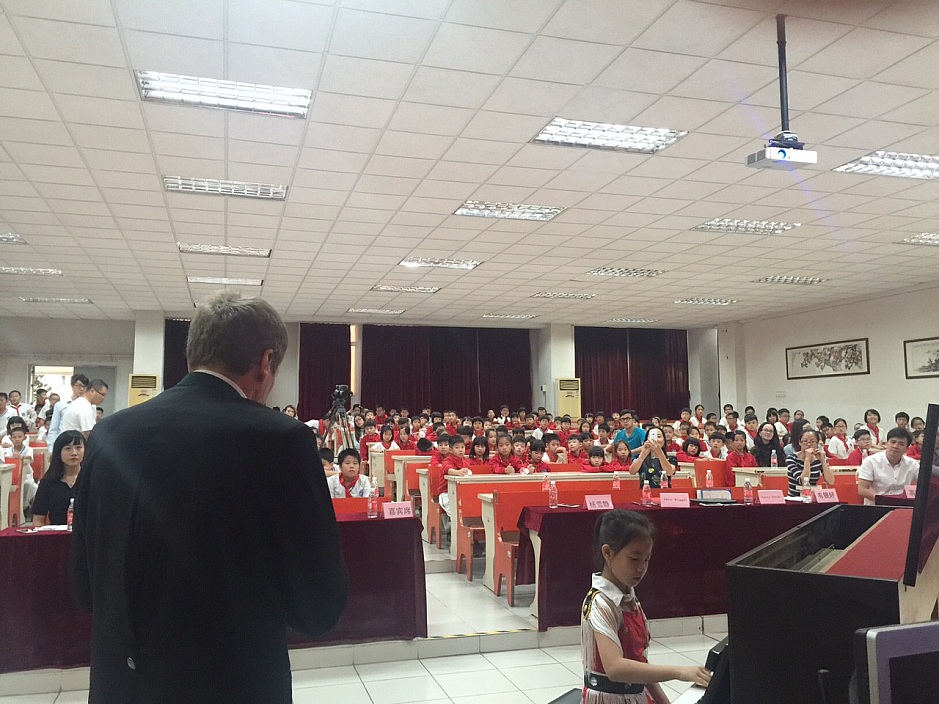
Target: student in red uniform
{"type": "Point", "coordinates": [424, 447]}
{"type": "Point", "coordinates": [450, 420]}
{"type": "Point", "coordinates": [564, 431]}
{"type": "Point", "coordinates": [690, 451]}
{"type": "Point", "coordinates": [380, 416]}
{"type": "Point", "coordinates": [478, 427]}
{"type": "Point", "coordinates": [622, 457]}
{"type": "Point", "coordinates": [586, 428]}
{"type": "Point", "coordinates": [916, 448]}
{"type": "Point", "coordinates": [737, 457]}
{"type": "Point", "coordinates": [596, 460]}
{"type": "Point", "coordinates": [370, 436]}
{"type": "Point", "coordinates": [536, 459]}
{"type": "Point", "coordinates": [443, 449]}
{"type": "Point", "coordinates": [671, 442]}
{"type": "Point", "coordinates": [479, 452]}
{"type": "Point", "coordinates": [575, 451]}
{"type": "Point", "coordinates": [554, 452]}
{"type": "Point", "coordinates": [491, 435]}
{"type": "Point", "coordinates": [520, 449]}
{"type": "Point", "coordinates": [504, 461]}
{"type": "Point", "coordinates": [406, 440]}
{"type": "Point", "coordinates": [862, 447]}
{"type": "Point", "coordinates": [454, 465]}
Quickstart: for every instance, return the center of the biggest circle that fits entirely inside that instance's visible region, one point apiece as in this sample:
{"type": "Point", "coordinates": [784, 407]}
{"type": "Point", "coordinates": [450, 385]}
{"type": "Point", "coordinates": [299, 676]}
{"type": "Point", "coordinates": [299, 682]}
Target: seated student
{"type": "Point", "coordinates": [685, 417]}
{"type": "Point", "coordinates": [916, 449]}
{"type": "Point", "coordinates": [478, 427]}
{"type": "Point", "coordinates": [348, 483]}
{"type": "Point", "coordinates": [519, 433]}
{"type": "Point", "coordinates": [438, 455]}
{"type": "Point", "coordinates": [564, 431]}
{"type": "Point", "coordinates": [370, 436]}
{"type": "Point", "coordinates": [575, 450]}
{"type": "Point", "coordinates": [622, 457]}
{"type": "Point", "coordinates": [536, 457]}
{"type": "Point", "coordinates": [783, 425]}
{"type": "Point", "coordinates": [42, 426]}
{"type": "Point", "coordinates": [751, 424]}
{"type": "Point", "coordinates": [887, 473]}
{"type": "Point", "coordinates": [672, 444]}
{"type": "Point", "coordinates": [809, 463]}
{"type": "Point", "coordinates": [403, 437]}
{"type": "Point", "coordinates": [737, 457]}
{"type": "Point", "coordinates": [451, 421]}
{"type": "Point", "coordinates": [19, 448]}
{"type": "Point", "coordinates": [57, 487]}
{"type": "Point", "coordinates": [491, 435]}
{"type": "Point", "coordinates": [652, 463]}
{"type": "Point", "coordinates": [424, 447]}
{"type": "Point", "coordinates": [466, 432]}
{"type": "Point", "coordinates": [902, 419]}
{"type": "Point", "coordinates": [697, 420]}
{"type": "Point", "coordinates": [862, 447]}
{"type": "Point", "coordinates": [696, 434]}
{"type": "Point", "coordinates": [387, 439]}
{"type": "Point", "coordinates": [554, 450]}
{"type": "Point", "coordinates": [596, 460]}
{"type": "Point", "coordinates": [11, 422]}
{"type": "Point", "coordinates": [690, 451]}
{"type": "Point", "coordinates": [454, 465]}
{"type": "Point", "coordinates": [504, 461]}
{"type": "Point", "coordinates": [432, 431]}
{"type": "Point", "coordinates": [839, 444]}
{"type": "Point", "coordinates": [479, 452]}
{"type": "Point", "coordinates": [917, 423]}
{"type": "Point", "coordinates": [520, 449]}
{"type": "Point", "coordinates": [604, 440]}
{"type": "Point", "coordinates": [543, 423]}
{"type": "Point", "coordinates": [828, 432]}
{"type": "Point", "coordinates": [710, 427]}
{"type": "Point", "coordinates": [716, 447]}
{"type": "Point", "coordinates": [328, 459]}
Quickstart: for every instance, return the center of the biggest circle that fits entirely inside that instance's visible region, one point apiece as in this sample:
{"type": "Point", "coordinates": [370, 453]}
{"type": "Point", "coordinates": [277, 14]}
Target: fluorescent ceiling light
{"type": "Point", "coordinates": [803, 280]}
{"type": "Point", "coordinates": [561, 294]}
{"type": "Point", "coordinates": [894, 164]}
{"type": "Point", "coordinates": [376, 311]}
{"type": "Point", "coordinates": [11, 238]}
{"type": "Point", "coordinates": [707, 301]}
{"type": "Point", "coordinates": [605, 135]}
{"type": "Point", "coordinates": [616, 271]}
{"type": "Point", "coordinates": [929, 239]}
{"type": "Point", "coordinates": [746, 227]}
{"type": "Point", "coordinates": [633, 321]}
{"type": "Point", "coordinates": [41, 299]}
{"type": "Point", "coordinates": [510, 316]}
{"type": "Point", "coordinates": [413, 262]}
{"type": "Point", "coordinates": [406, 289]}
{"type": "Point", "coordinates": [508, 211]}
{"type": "Point", "coordinates": [223, 281]}
{"type": "Point", "coordinates": [215, 186]}
{"type": "Point", "coordinates": [159, 87]}
{"type": "Point", "coordinates": [223, 249]}
{"type": "Point", "coordinates": [29, 271]}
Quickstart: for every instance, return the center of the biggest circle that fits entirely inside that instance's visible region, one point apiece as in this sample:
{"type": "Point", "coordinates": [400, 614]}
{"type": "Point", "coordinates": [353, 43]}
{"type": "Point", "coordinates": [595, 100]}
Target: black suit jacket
{"type": "Point", "coordinates": [203, 527]}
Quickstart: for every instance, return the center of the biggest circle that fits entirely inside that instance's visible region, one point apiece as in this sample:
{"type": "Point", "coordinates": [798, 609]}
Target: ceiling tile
{"type": "Point", "coordinates": [290, 25]}
{"type": "Point", "coordinates": [448, 87]}
{"type": "Point", "coordinates": [694, 28]}
{"type": "Point", "coordinates": [390, 38]}
{"type": "Point", "coordinates": [475, 49]}
{"type": "Point", "coordinates": [196, 19]}
{"type": "Point", "coordinates": [852, 56]}
{"type": "Point", "coordinates": [169, 53]}
{"type": "Point", "coordinates": [564, 60]}
{"type": "Point", "coordinates": [367, 77]}
{"type": "Point", "coordinates": [273, 66]}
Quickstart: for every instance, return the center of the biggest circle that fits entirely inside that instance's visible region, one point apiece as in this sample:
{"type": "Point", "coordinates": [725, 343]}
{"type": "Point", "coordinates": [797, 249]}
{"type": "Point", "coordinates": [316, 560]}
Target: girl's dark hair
{"type": "Point", "coordinates": [869, 411]}
{"type": "Point", "coordinates": [596, 451]}
{"type": "Point", "coordinates": [618, 528]}
{"type": "Point", "coordinates": [795, 432]}
{"type": "Point", "coordinates": [56, 466]}
{"type": "Point", "coordinates": [691, 442]}
{"type": "Point", "coordinates": [480, 442]}
{"type": "Point", "coordinates": [386, 429]}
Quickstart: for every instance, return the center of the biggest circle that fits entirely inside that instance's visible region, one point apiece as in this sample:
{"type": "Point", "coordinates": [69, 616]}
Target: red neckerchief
{"type": "Point", "coordinates": [875, 433]}
{"type": "Point", "coordinates": [387, 445]}
{"type": "Point", "coordinates": [348, 487]}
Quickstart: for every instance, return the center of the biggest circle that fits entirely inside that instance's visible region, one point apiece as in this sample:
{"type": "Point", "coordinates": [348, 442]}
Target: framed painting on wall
{"type": "Point", "coordinates": [921, 357]}
{"type": "Point", "coordinates": [842, 358]}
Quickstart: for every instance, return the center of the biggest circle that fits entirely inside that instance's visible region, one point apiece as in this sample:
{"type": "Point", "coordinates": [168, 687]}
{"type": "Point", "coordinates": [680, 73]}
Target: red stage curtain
{"type": "Point", "coordinates": [175, 368]}
{"type": "Point", "coordinates": [467, 369]}
{"type": "Point", "coordinates": [646, 370]}
{"type": "Point", "coordinates": [325, 361]}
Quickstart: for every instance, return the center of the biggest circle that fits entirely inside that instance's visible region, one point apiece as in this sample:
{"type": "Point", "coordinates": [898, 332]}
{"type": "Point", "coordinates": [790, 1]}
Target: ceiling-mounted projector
{"type": "Point", "coordinates": [784, 151]}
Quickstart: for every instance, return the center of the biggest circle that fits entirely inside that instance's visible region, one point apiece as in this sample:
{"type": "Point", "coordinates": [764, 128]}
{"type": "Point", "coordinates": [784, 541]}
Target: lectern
{"type": "Point", "coordinates": [796, 601]}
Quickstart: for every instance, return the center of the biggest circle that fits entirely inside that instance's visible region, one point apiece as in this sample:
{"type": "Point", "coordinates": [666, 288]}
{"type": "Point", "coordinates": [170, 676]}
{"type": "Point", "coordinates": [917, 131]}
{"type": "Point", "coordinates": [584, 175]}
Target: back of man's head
{"type": "Point", "coordinates": [230, 333]}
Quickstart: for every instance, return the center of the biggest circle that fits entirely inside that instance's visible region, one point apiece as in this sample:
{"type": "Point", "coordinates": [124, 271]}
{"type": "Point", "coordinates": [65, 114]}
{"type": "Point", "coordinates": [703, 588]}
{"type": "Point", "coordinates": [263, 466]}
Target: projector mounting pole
{"type": "Point", "coordinates": [785, 139]}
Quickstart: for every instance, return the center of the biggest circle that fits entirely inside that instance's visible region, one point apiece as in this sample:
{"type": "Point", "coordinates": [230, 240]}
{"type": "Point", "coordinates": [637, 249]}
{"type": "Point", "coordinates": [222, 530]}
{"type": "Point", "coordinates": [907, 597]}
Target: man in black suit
{"type": "Point", "coordinates": [203, 528]}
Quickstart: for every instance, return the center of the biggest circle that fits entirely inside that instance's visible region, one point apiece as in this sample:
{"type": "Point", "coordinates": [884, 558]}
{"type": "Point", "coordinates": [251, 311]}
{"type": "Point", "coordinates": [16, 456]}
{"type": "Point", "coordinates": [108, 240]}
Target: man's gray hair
{"type": "Point", "coordinates": [232, 332]}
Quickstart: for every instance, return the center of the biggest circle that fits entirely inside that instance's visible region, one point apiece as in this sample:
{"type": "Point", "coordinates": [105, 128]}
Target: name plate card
{"type": "Point", "coordinates": [768, 497]}
{"type": "Point", "coordinates": [825, 496]}
{"type": "Point", "coordinates": [910, 491]}
{"type": "Point", "coordinates": [675, 500]}
{"type": "Point", "coordinates": [397, 509]}
{"type": "Point", "coordinates": [599, 502]}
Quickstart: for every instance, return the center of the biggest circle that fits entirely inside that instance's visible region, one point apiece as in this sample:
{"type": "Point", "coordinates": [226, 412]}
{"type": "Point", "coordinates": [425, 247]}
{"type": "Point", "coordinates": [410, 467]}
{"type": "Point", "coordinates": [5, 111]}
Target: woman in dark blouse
{"type": "Point", "coordinates": [57, 487]}
{"type": "Point", "coordinates": [766, 444]}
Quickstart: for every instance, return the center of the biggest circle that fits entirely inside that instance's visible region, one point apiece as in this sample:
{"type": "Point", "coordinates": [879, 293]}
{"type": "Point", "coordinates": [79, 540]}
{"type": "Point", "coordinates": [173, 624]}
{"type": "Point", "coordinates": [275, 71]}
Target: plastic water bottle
{"type": "Point", "coordinates": [553, 494]}
{"type": "Point", "coordinates": [545, 482]}
{"type": "Point", "coordinates": [773, 462]}
{"type": "Point", "coordinates": [748, 493]}
{"type": "Point", "coordinates": [71, 513]}
{"type": "Point", "coordinates": [806, 491]}
{"type": "Point", "coordinates": [709, 480]}
{"type": "Point", "coordinates": [616, 481]}
{"type": "Point", "coordinates": [372, 510]}
{"type": "Point", "coordinates": [646, 494]}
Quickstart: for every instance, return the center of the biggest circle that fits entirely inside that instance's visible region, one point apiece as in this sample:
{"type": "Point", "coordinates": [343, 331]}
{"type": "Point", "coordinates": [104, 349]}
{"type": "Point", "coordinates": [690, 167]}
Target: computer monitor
{"type": "Point", "coordinates": [924, 530]}
{"type": "Point", "coordinates": [896, 664]}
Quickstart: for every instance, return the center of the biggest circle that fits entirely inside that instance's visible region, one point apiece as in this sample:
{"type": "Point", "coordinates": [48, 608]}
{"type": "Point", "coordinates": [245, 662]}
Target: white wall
{"type": "Point", "coordinates": [703, 368]}
{"type": "Point", "coordinates": [79, 343]}
{"type": "Point", "coordinates": [552, 357]}
{"type": "Point", "coordinates": [886, 322]}
{"type": "Point", "coordinates": [287, 381]}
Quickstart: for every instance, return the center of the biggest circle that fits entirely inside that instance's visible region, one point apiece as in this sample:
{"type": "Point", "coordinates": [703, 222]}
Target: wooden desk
{"type": "Point", "coordinates": [400, 482]}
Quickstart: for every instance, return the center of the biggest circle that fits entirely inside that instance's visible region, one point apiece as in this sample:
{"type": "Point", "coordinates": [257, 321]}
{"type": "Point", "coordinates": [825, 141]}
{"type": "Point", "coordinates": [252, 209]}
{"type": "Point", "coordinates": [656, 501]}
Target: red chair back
{"type": "Point", "coordinates": [40, 462]}
{"type": "Point", "coordinates": [775, 481]}
{"type": "Point", "coordinates": [846, 486]}
{"type": "Point", "coordinates": [701, 468]}
{"type": "Point", "coordinates": [356, 504]}
{"type": "Point", "coordinates": [411, 480]}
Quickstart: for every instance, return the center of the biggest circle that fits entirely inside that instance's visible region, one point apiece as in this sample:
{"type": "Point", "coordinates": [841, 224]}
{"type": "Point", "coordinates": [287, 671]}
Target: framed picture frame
{"type": "Point", "coordinates": [839, 358]}
{"type": "Point", "coordinates": [921, 357]}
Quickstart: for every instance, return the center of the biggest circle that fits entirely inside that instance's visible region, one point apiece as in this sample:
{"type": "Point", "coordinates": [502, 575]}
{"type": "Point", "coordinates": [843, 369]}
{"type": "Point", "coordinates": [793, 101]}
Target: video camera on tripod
{"type": "Point", "coordinates": [339, 419]}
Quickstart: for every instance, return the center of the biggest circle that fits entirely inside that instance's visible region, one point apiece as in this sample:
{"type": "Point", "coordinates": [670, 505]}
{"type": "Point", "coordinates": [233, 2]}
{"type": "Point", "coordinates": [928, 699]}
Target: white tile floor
{"type": "Point", "coordinates": [516, 672]}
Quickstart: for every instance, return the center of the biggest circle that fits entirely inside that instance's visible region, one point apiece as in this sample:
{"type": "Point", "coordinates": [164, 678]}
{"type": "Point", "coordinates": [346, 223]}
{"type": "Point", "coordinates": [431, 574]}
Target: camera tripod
{"type": "Point", "coordinates": [339, 422]}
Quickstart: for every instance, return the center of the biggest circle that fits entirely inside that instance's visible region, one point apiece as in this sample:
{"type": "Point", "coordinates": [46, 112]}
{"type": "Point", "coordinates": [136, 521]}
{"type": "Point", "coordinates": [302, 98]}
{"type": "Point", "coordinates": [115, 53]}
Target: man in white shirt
{"type": "Point", "coordinates": [887, 473]}
{"type": "Point", "coordinates": [80, 415]}
{"type": "Point", "coordinates": [78, 382]}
